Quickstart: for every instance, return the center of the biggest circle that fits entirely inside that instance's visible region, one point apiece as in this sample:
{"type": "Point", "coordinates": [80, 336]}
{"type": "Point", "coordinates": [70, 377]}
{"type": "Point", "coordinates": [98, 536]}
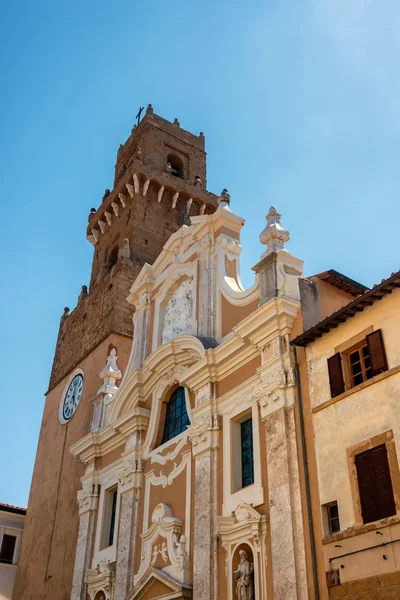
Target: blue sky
{"type": "Point", "coordinates": [299, 102]}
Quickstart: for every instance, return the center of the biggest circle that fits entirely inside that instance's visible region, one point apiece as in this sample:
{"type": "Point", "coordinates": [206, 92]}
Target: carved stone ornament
{"type": "Point", "coordinates": [274, 236]}
{"type": "Point", "coordinates": [130, 474]}
{"type": "Point", "coordinates": [87, 497]}
{"type": "Point", "coordinates": [171, 547]}
{"type": "Point", "coordinates": [204, 434]}
{"type": "Point", "coordinates": [171, 377]}
{"type": "Point", "coordinates": [178, 317]}
{"type": "Point", "coordinates": [100, 581]}
{"type": "Point", "coordinates": [106, 393]}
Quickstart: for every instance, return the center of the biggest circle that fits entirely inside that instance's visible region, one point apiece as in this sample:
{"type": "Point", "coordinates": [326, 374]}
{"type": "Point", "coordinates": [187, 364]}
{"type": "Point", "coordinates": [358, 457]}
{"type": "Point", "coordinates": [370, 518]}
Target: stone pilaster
{"type": "Point", "coordinates": [130, 481]}
{"type": "Point", "coordinates": [207, 285]}
{"type": "Point", "coordinates": [286, 526]}
{"type": "Point", "coordinates": [204, 436]}
{"type": "Point", "coordinates": [87, 501]}
{"type": "Point", "coordinates": [141, 320]}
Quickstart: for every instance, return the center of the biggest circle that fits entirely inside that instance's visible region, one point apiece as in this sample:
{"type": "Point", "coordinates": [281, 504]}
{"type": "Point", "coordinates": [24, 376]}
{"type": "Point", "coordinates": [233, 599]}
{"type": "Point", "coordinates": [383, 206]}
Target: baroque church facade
{"type": "Point", "coordinates": [174, 458]}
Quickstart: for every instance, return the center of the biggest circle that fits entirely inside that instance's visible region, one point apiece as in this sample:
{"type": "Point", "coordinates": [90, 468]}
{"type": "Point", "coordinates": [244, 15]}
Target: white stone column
{"type": "Point", "coordinates": [204, 436]}
{"type": "Point", "coordinates": [87, 501]}
{"type": "Point", "coordinates": [130, 481]}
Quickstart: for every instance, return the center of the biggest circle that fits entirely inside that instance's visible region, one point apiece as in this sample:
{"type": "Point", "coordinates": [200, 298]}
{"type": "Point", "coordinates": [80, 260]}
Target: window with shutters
{"type": "Point", "coordinates": [375, 484]}
{"type": "Point", "coordinates": [357, 364]}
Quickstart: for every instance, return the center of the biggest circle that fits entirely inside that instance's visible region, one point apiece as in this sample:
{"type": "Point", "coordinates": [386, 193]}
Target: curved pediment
{"type": "Point", "coordinates": [161, 369]}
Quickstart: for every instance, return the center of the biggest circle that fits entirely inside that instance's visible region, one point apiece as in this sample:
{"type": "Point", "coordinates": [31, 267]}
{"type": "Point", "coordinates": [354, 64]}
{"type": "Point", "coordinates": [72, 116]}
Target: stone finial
{"type": "Point", "coordinates": [111, 373]}
{"type": "Point", "coordinates": [197, 180]}
{"type": "Point", "coordinates": [176, 122]}
{"type": "Point", "coordinates": [168, 168]}
{"type": "Point", "coordinates": [83, 293]}
{"type": "Point", "coordinates": [224, 199]}
{"type": "Point", "coordinates": [124, 249]}
{"type": "Point", "coordinates": [149, 110]}
{"type": "Point", "coordinates": [65, 313]}
{"type": "Point", "coordinates": [92, 213]}
{"type": "Point", "coordinates": [274, 235]}
{"type": "Point", "coordinates": [107, 192]}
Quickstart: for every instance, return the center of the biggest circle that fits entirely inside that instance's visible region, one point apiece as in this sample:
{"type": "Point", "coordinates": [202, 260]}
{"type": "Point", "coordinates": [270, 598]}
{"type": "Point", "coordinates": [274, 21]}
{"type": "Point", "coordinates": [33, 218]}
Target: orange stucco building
{"type": "Point", "coordinates": [176, 457]}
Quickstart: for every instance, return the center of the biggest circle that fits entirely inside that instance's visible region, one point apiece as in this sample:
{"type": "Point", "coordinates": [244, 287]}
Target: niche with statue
{"type": "Point", "coordinates": [243, 573]}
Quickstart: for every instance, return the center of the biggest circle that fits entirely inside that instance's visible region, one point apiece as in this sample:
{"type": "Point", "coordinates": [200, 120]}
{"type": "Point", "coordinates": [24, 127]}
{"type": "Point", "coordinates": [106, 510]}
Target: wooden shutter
{"type": "Point", "coordinates": [380, 464]}
{"type": "Point", "coordinates": [375, 484]}
{"type": "Point", "coordinates": [335, 374]}
{"type": "Point", "coordinates": [377, 352]}
{"type": "Point", "coordinates": [366, 487]}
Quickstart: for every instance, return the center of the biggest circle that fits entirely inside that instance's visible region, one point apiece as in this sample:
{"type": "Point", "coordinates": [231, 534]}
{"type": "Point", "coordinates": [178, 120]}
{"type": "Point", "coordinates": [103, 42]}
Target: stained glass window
{"type": "Point", "coordinates": [246, 439]}
{"type": "Point", "coordinates": [176, 418]}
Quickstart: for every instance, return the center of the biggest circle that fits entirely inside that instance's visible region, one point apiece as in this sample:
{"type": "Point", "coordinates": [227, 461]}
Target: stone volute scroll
{"type": "Point", "coordinates": [106, 393]}
{"type": "Point", "coordinates": [244, 578]}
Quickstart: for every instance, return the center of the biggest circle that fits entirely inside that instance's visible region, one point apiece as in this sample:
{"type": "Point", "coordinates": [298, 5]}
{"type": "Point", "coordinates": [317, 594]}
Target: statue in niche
{"type": "Point", "coordinates": [178, 313]}
{"type": "Point", "coordinates": [244, 578]}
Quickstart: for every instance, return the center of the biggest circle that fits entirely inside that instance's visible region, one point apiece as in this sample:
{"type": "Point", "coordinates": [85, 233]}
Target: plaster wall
{"type": "Point", "coordinates": [340, 424]}
{"type": "Point", "coordinates": [52, 517]}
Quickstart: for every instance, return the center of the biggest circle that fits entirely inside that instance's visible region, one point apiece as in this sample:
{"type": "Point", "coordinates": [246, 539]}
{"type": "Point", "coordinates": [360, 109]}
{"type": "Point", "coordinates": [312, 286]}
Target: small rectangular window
{"type": "Point", "coordinates": [375, 484]}
{"type": "Point", "coordinates": [332, 513]}
{"type": "Point", "coordinates": [7, 548]}
{"type": "Point", "coordinates": [246, 444]}
{"type": "Point", "coordinates": [243, 452]}
{"type": "Point", "coordinates": [110, 510]}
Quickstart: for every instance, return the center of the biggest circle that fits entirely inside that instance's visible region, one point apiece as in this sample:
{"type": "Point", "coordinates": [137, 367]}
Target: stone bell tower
{"type": "Point", "coordinates": [160, 180]}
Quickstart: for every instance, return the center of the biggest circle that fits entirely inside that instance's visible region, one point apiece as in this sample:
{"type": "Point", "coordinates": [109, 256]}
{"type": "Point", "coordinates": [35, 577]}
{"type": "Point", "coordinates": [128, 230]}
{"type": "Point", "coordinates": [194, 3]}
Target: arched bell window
{"type": "Point", "coordinates": [176, 417]}
{"type": "Point", "coordinates": [176, 165]}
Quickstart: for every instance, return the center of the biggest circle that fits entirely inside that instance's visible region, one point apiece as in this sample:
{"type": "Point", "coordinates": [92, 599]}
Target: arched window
{"type": "Point", "coordinates": [176, 417]}
{"type": "Point", "coordinates": [176, 165]}
{"type": "Point", "coordinates": [113, 257]}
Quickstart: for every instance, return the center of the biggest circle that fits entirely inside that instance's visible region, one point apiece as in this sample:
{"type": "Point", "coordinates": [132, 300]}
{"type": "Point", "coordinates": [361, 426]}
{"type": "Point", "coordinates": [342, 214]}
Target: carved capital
{"type": "Point", "coordinates": [277, 393]}
{"type": "Point", "coordinates": [130, 475]}
{"type": "Point", "coordinates": [204, 435]}
{"type": "Point", "coordinates": [87, 497]}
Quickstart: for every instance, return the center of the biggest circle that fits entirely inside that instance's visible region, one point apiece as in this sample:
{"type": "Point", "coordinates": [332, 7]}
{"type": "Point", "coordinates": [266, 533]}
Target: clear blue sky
{"type": "Point", "coordinates": [299, 102]}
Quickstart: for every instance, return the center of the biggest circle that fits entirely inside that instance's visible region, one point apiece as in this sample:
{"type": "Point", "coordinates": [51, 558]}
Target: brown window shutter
{"type": "Point", "coordinates": [380, 464]}
{"type": "Point", "coordinates": [336, 374]}
{"type": "Point", "coordinates": [377, 352]}
{"type": "Point", "coordinates": [366, 487]}
{"type": "Point", "coordinates": [375, 484]}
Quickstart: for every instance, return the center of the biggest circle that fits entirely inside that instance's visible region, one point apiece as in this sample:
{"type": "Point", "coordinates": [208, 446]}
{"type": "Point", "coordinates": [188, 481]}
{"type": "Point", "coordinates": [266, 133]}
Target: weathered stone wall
{"type": "Point", "coordinates": [383, 587]}
{"type": "Point", "coordinates": [102, 311]}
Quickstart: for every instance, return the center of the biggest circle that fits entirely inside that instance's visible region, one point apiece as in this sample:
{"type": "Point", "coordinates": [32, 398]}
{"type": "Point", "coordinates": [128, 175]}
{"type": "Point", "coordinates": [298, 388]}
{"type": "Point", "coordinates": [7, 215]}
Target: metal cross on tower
{"type": "Point", "coordinates": [141, 109]}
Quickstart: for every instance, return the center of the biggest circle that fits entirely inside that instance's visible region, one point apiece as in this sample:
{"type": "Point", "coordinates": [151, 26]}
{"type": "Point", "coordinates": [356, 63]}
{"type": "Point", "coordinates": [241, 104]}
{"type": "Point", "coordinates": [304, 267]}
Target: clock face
{"type": "Point", "coordinates": [71, 398]}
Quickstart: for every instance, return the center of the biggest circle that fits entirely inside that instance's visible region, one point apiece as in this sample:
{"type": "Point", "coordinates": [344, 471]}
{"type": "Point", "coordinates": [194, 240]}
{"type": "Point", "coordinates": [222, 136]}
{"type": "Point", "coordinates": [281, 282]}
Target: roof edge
{"type": "Point", "coordinates": [349, 310]}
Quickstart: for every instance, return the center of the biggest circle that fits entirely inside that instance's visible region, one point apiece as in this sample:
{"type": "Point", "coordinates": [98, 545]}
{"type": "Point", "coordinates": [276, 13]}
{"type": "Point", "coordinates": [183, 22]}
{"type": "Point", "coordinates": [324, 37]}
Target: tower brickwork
{"type": "Point", "coordinates": [160, 178]}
